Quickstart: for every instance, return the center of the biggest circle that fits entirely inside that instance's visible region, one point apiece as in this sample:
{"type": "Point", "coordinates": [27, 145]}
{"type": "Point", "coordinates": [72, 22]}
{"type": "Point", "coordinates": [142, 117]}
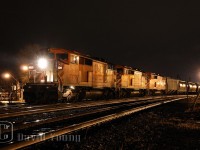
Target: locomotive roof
{"type": "Point", "coordinates": [62, 50]}
{"type": "Point", "coordinates": [127, 67]}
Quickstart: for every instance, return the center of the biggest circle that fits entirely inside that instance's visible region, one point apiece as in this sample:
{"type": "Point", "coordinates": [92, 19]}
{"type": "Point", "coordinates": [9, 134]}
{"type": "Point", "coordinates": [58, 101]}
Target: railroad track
{"type": "Point", "coordinates": [30, 110]}
{"type": "Point", "coordinates": [99, 114]}
{"type": "Point", "coordinates": [75, 113]}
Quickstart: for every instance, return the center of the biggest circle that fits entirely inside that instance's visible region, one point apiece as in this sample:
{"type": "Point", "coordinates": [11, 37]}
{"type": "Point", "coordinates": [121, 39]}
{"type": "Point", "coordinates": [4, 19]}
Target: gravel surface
{"type": "Point", "coordinates": [170, 126]}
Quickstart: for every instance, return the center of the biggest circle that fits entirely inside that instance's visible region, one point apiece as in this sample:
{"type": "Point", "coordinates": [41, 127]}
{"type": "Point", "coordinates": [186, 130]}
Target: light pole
{"type": "Point", "coordinates": [24, 75]}
{"type": "Point", "coordinates": [8, 76]}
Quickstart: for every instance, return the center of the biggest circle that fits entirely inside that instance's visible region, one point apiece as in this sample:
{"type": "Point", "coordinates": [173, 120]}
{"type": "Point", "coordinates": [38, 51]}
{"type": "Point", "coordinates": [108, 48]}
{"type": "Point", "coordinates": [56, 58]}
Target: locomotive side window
{"type": "Point", "coordinates": [120, 70]}
{"type": "Point", "coordinates": [85, 61]}
{"type": "Point", "coordinates": [130, 72]}
{"type": "Point", "coordinates": [62, 56]}
{"type": "Point", "coordinates": [51, 55]}
{"type": "Point", "coordinates": [88, 62]}
{"type": "Point", "coordinates": [74, 59]}
{"type": "Point", "coordinates": [81, 61]}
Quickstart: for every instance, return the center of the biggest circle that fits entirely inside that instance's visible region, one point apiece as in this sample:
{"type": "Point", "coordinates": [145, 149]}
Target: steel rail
{"type": "Point", "coordinates": [62, 118]}
{"type": "Point", "coordinates": [50, 105]}
{"type": "Point", "coordinates": [84, 125]}
{"type": "Point", "coordinates": [46, 110]}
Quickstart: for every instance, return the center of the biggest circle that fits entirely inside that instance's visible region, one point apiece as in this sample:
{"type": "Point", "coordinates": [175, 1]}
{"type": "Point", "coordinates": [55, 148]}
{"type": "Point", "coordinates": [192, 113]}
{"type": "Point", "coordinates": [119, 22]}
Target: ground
{"type": "Point", "coordinates": [171, 126]}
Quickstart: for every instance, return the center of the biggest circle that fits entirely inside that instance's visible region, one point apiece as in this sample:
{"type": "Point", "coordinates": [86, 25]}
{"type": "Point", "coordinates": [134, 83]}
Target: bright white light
{"type": "Point", "coordinates": [41, 134]}
{"type": "Point", "coordinates": [42, 63]}
{"type": "Point", "coordinates": [77, 58]}
{"type": "Point", "coordinates": [30, 67]}
{"type": "Point", "coordinates": [72, 87]}
{"type": "Point", "coordinates": [60, 67]}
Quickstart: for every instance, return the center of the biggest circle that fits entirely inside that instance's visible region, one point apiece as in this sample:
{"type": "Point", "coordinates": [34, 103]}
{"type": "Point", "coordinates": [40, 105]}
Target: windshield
{"type": "Point", "coordinates": [51, 55]}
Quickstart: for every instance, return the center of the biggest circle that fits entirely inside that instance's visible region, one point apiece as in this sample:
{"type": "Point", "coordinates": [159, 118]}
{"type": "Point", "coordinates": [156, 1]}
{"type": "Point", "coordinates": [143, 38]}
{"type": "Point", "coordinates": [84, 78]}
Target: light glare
{"type": "Point", "coordinates": [6, 75]}
{"type": "Point", "coordinates": [24, 68]}
{"type": "Point", "coordinates": [42, 63]}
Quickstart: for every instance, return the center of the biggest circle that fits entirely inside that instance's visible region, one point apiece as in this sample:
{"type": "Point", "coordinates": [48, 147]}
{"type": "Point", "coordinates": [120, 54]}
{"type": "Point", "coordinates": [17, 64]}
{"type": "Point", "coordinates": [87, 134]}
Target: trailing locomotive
{"type": "Point", "coordinates": [69, 75]}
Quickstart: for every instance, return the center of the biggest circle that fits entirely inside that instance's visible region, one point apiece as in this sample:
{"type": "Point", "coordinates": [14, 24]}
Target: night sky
{"type": "Point", "coordinates": [149, 35]}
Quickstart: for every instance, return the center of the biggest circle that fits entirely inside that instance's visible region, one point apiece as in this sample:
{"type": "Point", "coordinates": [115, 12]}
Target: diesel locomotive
{"type": "Point", "coordinates": [69, 75]}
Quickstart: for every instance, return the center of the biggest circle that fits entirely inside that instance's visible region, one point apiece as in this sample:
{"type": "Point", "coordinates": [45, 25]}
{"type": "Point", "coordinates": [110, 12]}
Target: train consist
{"type": "Point", "coordinates": [69, 75]}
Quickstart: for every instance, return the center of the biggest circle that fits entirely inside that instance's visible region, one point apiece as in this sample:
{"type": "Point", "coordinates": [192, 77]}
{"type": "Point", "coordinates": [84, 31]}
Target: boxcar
{"type": "Point", "coordinates": [171, 85]}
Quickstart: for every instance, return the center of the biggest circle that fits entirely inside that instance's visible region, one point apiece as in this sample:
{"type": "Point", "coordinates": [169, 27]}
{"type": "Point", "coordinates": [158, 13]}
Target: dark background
{"type": "Point", "coordinates": [153, 36]}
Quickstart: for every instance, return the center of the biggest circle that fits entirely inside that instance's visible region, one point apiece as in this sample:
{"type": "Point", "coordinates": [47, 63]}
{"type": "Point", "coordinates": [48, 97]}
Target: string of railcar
{"type": "Point", "coordinates": [69, 75]}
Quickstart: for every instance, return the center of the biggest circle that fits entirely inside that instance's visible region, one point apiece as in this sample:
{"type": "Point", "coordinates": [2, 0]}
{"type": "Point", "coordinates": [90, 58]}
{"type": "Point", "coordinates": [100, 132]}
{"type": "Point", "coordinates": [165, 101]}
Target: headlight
{"type": "Point", "coordinates": [42, 81]}
{"type": "Point", "coordinates": [42, 63]}
{"type": "Point", "coordinates": [30, 67]}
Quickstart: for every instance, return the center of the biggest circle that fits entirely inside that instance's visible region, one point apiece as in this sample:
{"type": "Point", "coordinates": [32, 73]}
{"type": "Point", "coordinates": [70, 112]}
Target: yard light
{"type": "Point", "coordinates": [24, 67]}
{"type": "Point", "coordinates": [6, 75]}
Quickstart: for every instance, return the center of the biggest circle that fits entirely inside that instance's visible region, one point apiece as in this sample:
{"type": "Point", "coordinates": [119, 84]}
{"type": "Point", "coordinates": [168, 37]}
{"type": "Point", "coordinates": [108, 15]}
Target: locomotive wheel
{"type": "Point", "coordinates": [111, 94]}
{"type": "Point", "coordinates": [80, 95]}
{"type": "Point", "coordinates": [142, 92]}
{"type": "Point", "coordinates": [105, 95]}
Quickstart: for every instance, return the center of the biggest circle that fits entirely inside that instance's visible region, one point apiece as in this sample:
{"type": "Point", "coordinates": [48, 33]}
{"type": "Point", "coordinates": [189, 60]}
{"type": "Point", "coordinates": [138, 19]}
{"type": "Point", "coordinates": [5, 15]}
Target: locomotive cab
{"type": "Point", "coordinates": [43, 85]}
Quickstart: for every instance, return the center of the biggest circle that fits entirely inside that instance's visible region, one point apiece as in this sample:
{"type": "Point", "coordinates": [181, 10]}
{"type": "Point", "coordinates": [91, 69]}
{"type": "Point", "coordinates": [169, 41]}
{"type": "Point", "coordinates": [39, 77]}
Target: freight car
{"type": "Point", "coordinates": [192, 87]}
{"type": "Point", "coordinates": [172, 86]}
{"type": "Point", "coordinates": [176, 86]}
{"type": "Point", "coordinates": [69, 75]}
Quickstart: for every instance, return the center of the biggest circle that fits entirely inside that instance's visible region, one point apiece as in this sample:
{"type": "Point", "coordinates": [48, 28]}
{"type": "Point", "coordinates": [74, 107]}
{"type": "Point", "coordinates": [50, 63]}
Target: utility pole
{"type": "Point", "coordinates": [7, 76]}
{"type": "Point", "coordinates": [195, 101]}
